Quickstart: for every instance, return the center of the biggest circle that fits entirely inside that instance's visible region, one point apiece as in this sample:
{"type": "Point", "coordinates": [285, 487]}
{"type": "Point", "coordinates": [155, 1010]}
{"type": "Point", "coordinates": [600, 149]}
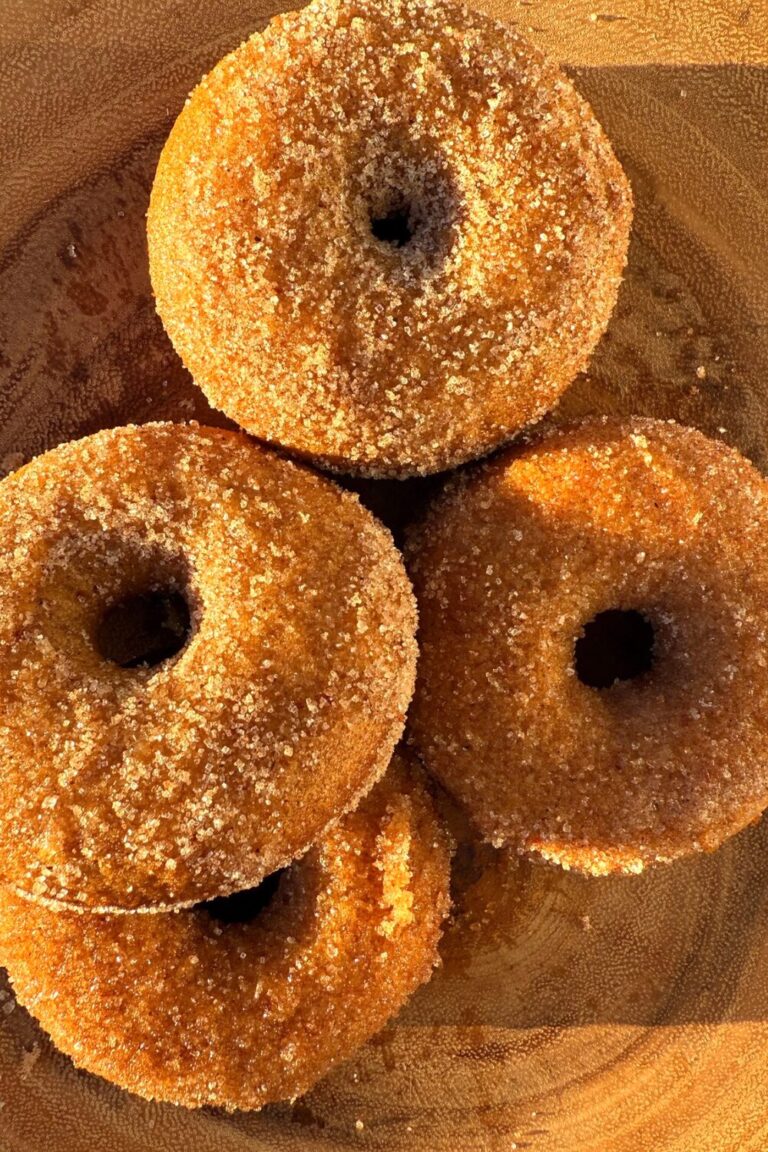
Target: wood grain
{"type": "Point", "coordinates": [620, 1015]}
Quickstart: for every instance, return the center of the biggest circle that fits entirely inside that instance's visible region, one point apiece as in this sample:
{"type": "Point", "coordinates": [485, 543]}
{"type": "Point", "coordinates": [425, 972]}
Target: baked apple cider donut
{"type": "Point", "coordinates": [206, 654]}
{"type": "Point", "coordinates": [386, 234]}
{"type": "Point", "coordinates": [593, 680]}
{"type": "Point", "coordinates": [234, 1004]}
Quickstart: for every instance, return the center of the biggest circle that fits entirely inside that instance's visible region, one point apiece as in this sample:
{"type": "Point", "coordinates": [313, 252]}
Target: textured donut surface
{"type": "Point", "coordinates": [187, 1008]}
{"type": "Point", "coordinates": [515, 564]}
{"type": "Point", "coordinates": [128, 787]}
{"type": "Point", "coordinates": [386, 234]}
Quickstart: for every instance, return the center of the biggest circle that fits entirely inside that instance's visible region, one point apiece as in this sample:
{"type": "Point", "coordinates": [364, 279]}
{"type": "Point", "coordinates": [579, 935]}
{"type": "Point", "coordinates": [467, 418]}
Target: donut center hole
{"type": "Point", "coordinates": [144, 630]}
{"type": "Point", "coordinates": [242, 907]}
{"type": "Point", "coordinates": [394, 226]}
{"type": "Point", "coordinates": [615, 645]}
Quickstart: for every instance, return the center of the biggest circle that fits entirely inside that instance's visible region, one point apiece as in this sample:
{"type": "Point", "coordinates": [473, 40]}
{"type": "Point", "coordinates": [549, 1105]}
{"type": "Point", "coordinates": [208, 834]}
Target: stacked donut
{"type": "Point", "coordinates": [384, 237]}
{"type": "Point", "coordinates": [207, 654]}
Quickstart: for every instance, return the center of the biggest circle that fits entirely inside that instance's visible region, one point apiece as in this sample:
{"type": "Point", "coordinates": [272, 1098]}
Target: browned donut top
{"type": "Point", "coordinates": [127, 785]}
{"type": "Point", "coordinates": [386, 233]}
{"type": "Point", "coordinates": [593, 680]}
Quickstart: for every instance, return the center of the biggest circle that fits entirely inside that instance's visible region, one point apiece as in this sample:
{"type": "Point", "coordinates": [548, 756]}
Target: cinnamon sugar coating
{"type": "Point", "coordinates": [386, 234]}
{"type": "Point", "coordinates": [184, 1008]}
{"type": "Point", "coordinates": [510, 566]}
{"type": "Point", "coordinates": [129, 787]}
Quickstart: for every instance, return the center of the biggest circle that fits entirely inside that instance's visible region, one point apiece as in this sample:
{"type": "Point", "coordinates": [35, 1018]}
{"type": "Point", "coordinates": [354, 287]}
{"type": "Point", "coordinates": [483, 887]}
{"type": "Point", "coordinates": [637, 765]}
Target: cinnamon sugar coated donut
{"type": "Point", "coordinates": [386, 234]}
{"type": "Point", "coordinates": [192, 1009]}
{"type": "Point", "coordinates": [593, 680]}
{"type": "Point", "coordinates": [206, 654]}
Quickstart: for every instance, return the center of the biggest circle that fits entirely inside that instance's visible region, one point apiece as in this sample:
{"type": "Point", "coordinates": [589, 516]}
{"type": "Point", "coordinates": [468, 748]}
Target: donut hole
{"type": "Point", "coordinates": [409, 201]}
{"type": "Point", "coordinates": [614, 645]}
{"type": "Point", "coordinates": [145, 629]}
{"type": "Point", "coordinates": [244, 906]}
{"type": "Point", "coordinates": [395, 226]}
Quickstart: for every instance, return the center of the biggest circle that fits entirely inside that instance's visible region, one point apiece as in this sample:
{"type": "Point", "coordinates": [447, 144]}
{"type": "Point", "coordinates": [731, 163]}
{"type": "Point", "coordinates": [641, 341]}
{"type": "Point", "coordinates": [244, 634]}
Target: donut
{"type": "Point", "coordinates": [202, 1007]}
{"type": "Point", "coordinates": [206, 654]}
{"type": "Point", "coordinates": [593, 684]}
{"type": "Point", "coordinates": [386, 234]}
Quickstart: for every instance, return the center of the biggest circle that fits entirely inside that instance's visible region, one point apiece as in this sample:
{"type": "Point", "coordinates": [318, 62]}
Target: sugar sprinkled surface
{"type": "Point", "coordinates": [375, 357]}
{"type": "Point", "coordinates": [164, 786]}
{"type": "Point", "coordinates": [180, 1007]}
{"type": "Point", "coordinates": [510, 564]}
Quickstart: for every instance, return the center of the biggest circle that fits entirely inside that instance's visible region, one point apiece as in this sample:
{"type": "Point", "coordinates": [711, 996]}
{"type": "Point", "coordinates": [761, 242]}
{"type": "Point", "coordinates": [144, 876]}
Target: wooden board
{"type": "Point", "coordinates": [626, 1015]}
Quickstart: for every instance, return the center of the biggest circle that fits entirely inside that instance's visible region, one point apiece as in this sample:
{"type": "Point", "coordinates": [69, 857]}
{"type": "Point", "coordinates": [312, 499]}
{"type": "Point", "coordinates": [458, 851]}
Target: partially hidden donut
{"type": "Point", "coordinates": [206, 654]}
{"type": "Point", "coordinates": [196, 1008]}
{"type": "Point", "coordinates": [593, 678]}
{"type": "Point", "coordinates": [386, 234]}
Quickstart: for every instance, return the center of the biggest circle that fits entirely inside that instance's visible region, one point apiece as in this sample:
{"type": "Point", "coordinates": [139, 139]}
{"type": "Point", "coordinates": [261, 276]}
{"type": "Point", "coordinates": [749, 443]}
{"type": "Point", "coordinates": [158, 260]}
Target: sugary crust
{"type": "Point", "coordinates": [131, 788]}
{"type": "Point", "coordinates": [511, 563]}
{"type": "Point", "coordinates": [181, 1007]}
{"type": "Point", "coordinates": [312, 333]}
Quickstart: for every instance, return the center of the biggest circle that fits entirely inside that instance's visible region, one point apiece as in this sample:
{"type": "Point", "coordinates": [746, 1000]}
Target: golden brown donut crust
{"type": "Point", "coordinates": [126, 788]}
{"type": "Point", "coordinates": [183, 1008]}
{"type": "Point", "coordinates": [509, 566]}
{"type": "Point", "coordinates": [308, 330]}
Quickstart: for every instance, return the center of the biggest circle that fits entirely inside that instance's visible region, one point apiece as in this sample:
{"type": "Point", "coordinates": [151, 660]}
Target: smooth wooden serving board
{"type": "Point", "coordinates": [626, 1015]}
